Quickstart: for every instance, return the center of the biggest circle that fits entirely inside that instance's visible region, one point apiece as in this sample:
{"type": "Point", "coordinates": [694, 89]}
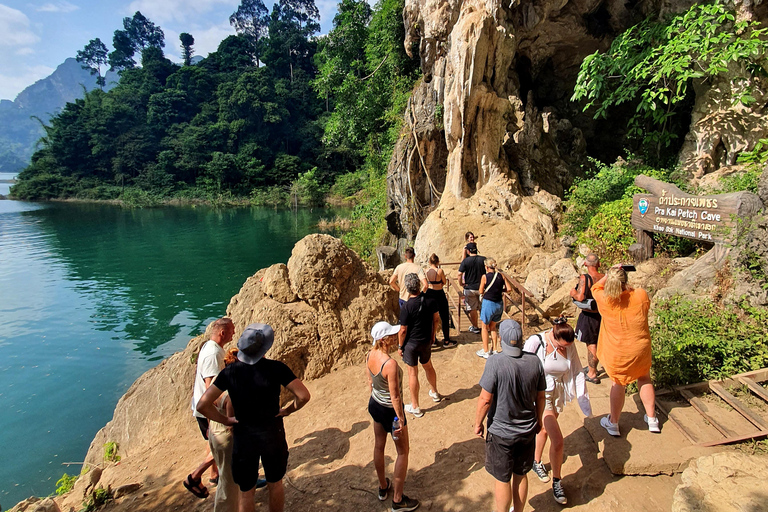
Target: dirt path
{"type": "Point", "coordinates": [331, 467]}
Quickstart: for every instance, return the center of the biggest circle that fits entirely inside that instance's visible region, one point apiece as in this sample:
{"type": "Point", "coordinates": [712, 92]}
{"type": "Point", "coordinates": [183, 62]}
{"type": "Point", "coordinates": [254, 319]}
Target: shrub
{"type": "Point", "coordinates": [269, 196]}
{"type": "Point", "coordinates": [694, 341]}
{"type": "Point", "coordinates": [348, 184]}
{"type": "Point", "coordinates": [97, 498]}
{"type": "Point", "coordinates": [609, 233]}
{"type": "Point", "coordinates": [65, 484]}
{"type": "Point", "coordinates": [110, 452]}
{"type": "Point", "coordinates": [368, 219]}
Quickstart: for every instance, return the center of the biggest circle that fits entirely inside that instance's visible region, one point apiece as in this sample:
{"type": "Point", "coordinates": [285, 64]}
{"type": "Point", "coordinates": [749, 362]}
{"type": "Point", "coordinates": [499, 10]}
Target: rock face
{"type": "Point", "coordinates": [725, 481]}
{"type": "Point", "coordinates": [322, 306]}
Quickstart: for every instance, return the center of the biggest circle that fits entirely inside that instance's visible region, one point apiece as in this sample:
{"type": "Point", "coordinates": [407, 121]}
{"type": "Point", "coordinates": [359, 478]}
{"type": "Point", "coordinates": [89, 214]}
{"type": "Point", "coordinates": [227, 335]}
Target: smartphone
{"type": "Point", "coordinates": [628, 268]}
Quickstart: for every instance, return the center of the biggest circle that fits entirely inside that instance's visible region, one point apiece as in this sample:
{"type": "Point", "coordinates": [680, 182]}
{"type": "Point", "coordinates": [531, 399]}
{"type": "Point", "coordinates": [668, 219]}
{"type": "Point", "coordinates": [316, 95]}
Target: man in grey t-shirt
{"type": "Point", "coordinates": [512, 396]}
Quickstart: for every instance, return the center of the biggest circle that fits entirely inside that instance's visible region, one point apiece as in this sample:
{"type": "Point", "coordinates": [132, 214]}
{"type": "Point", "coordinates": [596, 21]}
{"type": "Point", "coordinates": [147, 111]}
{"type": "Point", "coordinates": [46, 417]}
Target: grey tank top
{"type": "Point", "coordinates": [380, 391]}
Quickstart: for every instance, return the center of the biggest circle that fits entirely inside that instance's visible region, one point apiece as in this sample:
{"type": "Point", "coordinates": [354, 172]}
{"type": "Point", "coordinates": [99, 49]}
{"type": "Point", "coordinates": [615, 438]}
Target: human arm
{"type": "Point", "coordinates": [540, 403]}
{"type": "Point", "coordinates": [481, 290]}
{"type": "Point", "coordinates": [483, 406]}
{"type": "Point", "coordinates": [207, 407]}
{"type": "Point", "coordinates": [393, 282]}
{"type": "Point", "coordinates": [424, 283]}
{"type": "Point", "coordinates": [401, 338]}
{"type": "Point", "coordinates": [301, 397]}
{"type": "Point", "coordinates": [579, 292]}
{"type": "Point", "coordinates": [391, 373]}
{"type": "Point", "coordinates": [441, 275]}
{"type": "Point", "coordinates": [578, 382]}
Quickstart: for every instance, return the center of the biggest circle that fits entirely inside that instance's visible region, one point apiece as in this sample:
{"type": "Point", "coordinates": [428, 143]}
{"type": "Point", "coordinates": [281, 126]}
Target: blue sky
{"type": "Point", "coordinates": [35, 37]}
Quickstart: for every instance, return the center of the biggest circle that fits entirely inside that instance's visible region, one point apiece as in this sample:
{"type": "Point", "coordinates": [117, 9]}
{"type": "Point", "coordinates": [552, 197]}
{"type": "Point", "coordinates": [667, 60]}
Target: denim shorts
{"type": "Point", "coordinates": [491, 311]}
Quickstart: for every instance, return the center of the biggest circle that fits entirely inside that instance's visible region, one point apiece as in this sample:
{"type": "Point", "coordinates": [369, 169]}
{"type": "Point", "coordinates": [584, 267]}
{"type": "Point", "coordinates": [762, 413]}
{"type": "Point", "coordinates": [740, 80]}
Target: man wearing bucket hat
{"type": "Point", "coordinates": [513, 386]}
{"type": "Point", "coordinates": [254, 384]}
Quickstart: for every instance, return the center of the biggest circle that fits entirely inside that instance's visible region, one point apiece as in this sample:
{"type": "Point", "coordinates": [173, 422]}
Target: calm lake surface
{"type": "Point", "coordinates": [91, 296]}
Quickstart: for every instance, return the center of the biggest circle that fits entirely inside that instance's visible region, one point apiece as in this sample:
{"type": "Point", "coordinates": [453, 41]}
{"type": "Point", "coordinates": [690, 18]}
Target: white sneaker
{"type": "Point", "coordinates": [482, 353]}
{"type": "Point", "coordinates": [435, 396]}
{"type": "Point", "coordinates": [416, 412]}
{"type": "Point", "coordinates": [612, 428]}
{"type": "Point", "coordinates": [653, 424]}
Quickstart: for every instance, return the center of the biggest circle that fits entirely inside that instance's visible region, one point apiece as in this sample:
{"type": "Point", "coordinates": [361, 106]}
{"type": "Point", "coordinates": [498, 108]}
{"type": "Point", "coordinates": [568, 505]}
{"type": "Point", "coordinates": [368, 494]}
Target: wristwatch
{"type": "Point", "coordinates": [401, 347]}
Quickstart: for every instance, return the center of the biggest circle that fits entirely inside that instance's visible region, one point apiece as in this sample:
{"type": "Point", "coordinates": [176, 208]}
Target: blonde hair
{"type": "Point", "coordinates": [490, 263]}
{"type": "Point", "coordinates": [382, 341]}
{"type": "Point", "coordinates": [615, 283]}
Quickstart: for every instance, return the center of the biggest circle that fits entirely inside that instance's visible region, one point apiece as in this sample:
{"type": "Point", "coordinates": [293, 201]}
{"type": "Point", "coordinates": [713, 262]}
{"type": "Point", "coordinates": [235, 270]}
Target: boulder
{"type": "Point", "coordinates": [540, 283]}
{"type": "Point", "coordinates": [542, 260]}
{"type": "Point", "coordinates": [560, 302]}
{"type": "Point", "coordinates": [563, 270]}
{"type": "Point", "coordinates": [47, 505]}
{"type": "Point", "coordinates": [762, 186]}
{"type": "Point", "coordinates": [277, 285]}
{"type": "Point", "coordinates": [125, 490]}
{"type": "Point", "coordinates": [726, 482]}
{"type": "Point", "coordinates": [26, 505]}
{"type": "Point", "coordinates": [338, 299]}
{"type": "Point", "coordinates": [387, 256]}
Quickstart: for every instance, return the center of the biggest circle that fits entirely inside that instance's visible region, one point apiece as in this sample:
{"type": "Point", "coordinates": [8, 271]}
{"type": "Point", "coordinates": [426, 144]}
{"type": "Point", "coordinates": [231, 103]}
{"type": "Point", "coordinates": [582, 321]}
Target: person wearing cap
{"type": "Point", "coordinates": [210, 361]}
{"type": "Point", "coordinates": [254, 384]}
{"type": "Point", "coordinates": [385, 379]}
{"type": "Point", "coordinates": [418, 319]}
{"type": "Point", "coordinates": [398, 276]}
{"type": "Point", "coordinates": [471, 271]}
{"type": "Point", "coordinates": [565, 381]}
{"type": "Point", "coordinates": [513, 386]}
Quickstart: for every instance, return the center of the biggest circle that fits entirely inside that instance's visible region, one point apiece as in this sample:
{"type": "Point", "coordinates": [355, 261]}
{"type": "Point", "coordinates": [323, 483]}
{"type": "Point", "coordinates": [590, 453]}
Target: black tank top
{"type": "Point", "coordinates": [493, 292]}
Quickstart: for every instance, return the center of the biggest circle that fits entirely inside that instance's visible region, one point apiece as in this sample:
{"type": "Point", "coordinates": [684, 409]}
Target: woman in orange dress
{"type": "Point", "coordinates": [624, 344]}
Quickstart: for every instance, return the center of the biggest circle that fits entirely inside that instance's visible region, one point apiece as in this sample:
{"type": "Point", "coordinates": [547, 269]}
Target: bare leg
{"type": "Point", "coordinates": [380, 442]}
{"type": "Point", "coordinates": [401, 465]}
{"type": "Point", "coordinates": [484, 335]}
{"type": "Point", "coordinates": [247, 503]}
{"type": "Point", "coordinates": [617, 401]}
{"type": "Point", "coordinates": [555, 442]}
{"type": "Point", "coordinates": [519, 492]}
{"type": "Point", "coordinates": [473, 317]}
{"type": "Point", "coordinates": [647, 395]}
{"type": "Point", "coordinates": [503, 494]}
{"type": "Point", "coordinates": [276, 496]}
{"type": "Point", "coordinates": [541, 441]}
{"type": "Point", "coordinates": [592, 360]}
{"type": "Point", "coordinates": [431, 375]}
{"type": "Point", "coordinates": [413, 384]}
{"type": "Point", "coordinates": [496, 345]}
{"type": "Point", "coordinates": [197, 474]}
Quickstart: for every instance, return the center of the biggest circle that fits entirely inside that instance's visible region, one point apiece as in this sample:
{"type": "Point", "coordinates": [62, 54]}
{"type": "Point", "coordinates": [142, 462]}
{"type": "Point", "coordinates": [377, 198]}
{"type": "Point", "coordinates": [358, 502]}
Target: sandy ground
{"type": "Point", "coordinates": [331, 443]}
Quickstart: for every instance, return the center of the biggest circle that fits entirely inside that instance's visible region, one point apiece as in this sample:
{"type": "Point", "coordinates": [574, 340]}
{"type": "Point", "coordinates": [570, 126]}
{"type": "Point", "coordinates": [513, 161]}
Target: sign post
{"type": "Point", "coordinates": [667, 209]}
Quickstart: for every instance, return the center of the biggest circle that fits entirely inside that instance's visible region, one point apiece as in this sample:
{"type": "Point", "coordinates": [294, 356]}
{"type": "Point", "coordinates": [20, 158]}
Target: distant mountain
{"type": "Point", "coordinates": [19, 132]}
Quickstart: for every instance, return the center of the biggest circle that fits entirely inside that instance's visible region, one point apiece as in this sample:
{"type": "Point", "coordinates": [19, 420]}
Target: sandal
{"type": "Point", "coordinates": [195, 487]}
{"type": "Point", "coordinates": [596, 380]}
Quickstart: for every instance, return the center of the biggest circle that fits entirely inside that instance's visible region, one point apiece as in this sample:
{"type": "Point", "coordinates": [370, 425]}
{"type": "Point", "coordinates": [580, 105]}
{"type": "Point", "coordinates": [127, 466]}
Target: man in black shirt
{"type": "Point", "coordinates": [254, 385]}
{"type": "Point", "coordinates": [471, 270]}
{"type": "Point", "coordinates": [418, 318]}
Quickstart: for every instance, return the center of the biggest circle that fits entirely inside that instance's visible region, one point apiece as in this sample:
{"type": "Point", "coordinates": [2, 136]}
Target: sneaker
{"type": "Point", "coordinates": [435, 396]}
{"type": "Point", "coordinates": [653, 424]}
{"type": "Point", "coordinates": [612, 428]}
{"type": "Point", "coordinates": [406, 504]}
{"type": "Point", "coordinates": [383, 492]}
{"type": "Point", "coordinates": [541, 471]}
{"type": "Point", "coordinates": [474, 330]}
{"type": "Point", "coordinates": [450, 343]}
{"type": "Point", "coordinates": [416, 412]}
{"type": "Point", "coordinates": [482, 353]}
{"type": "Point", "coordinates": [558, 492]}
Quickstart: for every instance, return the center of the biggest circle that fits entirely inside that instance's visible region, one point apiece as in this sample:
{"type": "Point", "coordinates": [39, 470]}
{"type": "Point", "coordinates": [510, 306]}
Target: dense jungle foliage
{"type": "Point", "coordinates": [275, 115]}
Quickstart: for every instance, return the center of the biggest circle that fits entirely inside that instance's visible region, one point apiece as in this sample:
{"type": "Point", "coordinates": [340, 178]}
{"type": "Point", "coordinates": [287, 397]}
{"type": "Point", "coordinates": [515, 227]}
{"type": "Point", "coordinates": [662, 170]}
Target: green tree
{"type": "Point", "coordinates": [92, 57]}
{"type": "Point", "coordinates": [137, 35]}
{"type": "Point", "coordinates": [186, 47]}
{"type": "Point", "coordinates": [654, 66]}
{"type": "Point", "coordinates": [251, 19]}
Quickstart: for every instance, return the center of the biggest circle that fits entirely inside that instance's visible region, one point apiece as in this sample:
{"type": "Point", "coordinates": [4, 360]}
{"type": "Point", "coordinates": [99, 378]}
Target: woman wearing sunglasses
{"type": "Point", "coordinates": [565, 381]}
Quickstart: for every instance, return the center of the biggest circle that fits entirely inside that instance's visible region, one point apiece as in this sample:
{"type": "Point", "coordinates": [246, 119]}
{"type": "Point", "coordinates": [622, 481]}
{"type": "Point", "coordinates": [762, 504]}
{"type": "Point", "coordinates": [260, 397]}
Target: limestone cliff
{"type": "Point", "coordinates": [322, 306]}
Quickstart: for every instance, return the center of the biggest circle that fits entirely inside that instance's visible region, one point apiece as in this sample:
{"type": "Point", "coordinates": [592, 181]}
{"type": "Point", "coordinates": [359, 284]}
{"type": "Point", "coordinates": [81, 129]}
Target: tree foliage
{"type": "Point", "coordinates": [653, 65]}
{"type": "Point", "coordinates": [187, 41]}
{"type": "Point", "coordinates": [92, 58]}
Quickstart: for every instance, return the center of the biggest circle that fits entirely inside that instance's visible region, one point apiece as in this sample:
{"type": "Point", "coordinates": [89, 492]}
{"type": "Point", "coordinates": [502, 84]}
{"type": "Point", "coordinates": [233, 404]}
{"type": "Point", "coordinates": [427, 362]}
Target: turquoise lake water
{"type": "Point", "coordinates": [91, 296]}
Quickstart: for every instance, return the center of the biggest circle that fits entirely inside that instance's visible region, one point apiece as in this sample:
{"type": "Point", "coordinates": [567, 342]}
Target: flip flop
{"type": "Point", "coordinates": [195, 487]}
{"type": "Point", "coordinates": [596, 380]}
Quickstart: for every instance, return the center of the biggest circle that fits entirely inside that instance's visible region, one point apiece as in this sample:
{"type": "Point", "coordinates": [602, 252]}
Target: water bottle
{"type": "Point", "coordinates": [395, 426]}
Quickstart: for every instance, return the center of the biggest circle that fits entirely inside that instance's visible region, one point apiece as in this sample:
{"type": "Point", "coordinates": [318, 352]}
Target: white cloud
{"type": "Point", "coordinates": [25, 51]}
{"type": "Point", "coordinates": [177, 10]}
{"type": "Point", "coordinates": [60, 6]}
{"type": "Point", "coordinates": [14, 26]}
{"type": "Point", "coordinates": [13, 84]}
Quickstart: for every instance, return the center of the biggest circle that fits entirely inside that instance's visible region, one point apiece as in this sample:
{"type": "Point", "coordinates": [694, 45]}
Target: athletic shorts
{"type": "Point", "coordinates": [414, 353]}
{"type": "Point", "coordinates": [588, 328]}
{"type": "Point", "coordinates": [203, 424]}
{"type": "Point", "coordinates": [503, 457]}
{"type": "Point", "coordinates": [491, 312]}
{"type": "Point", "coordinates": [381, 414]}
{"type": "Point", "coordinates": [471, 299]}
{"type": "Point", "coordinates": [253, 445]}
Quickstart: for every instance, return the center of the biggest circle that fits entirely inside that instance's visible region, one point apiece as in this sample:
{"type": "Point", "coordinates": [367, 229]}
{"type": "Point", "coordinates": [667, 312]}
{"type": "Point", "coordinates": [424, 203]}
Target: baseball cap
{"type": "Point", "coordinates": [382, 330]}
{"type": "Point", "coordinates": [472, 247]}
{"type": "Point", "coordinates": [511, 334]}
{"type": "Point", "coordinates": [254, 343]}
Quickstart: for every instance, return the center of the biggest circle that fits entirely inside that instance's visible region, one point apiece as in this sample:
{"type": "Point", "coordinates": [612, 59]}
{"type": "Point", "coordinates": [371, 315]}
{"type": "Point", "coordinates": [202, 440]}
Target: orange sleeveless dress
{"type": "Point", "coordinates": [624, 342]}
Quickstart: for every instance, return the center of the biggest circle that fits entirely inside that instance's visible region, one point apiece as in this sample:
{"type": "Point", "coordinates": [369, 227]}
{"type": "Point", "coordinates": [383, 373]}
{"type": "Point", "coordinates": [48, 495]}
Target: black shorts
{"type": "Point", "coordinates": [588, 328]}
{"type": "Point", "coordinates": [414, 353]}
{"type": "Point", "coordinates": [203, 424]}
{"type": "Point", "coordinates": [506, 456]}
{"type": "Point", "coordinates": [381, 414]}
{"type": "Point", "coordinates": [252, 445]}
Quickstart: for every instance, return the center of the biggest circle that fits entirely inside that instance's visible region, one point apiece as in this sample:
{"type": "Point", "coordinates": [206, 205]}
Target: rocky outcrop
{"type": "Point", "coordinates": [726, 482]}
{"type": "Point", "coordinates": [322, 306]}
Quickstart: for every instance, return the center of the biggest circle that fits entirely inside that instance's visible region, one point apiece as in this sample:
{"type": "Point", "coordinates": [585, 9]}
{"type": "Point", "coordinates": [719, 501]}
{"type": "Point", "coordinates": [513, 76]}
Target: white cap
{"type": "Point", "coordinates": [382, 330]}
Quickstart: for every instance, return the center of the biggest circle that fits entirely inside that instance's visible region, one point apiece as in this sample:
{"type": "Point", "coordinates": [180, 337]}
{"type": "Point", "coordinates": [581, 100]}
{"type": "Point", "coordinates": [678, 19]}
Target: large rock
{"type": "Point", "coordinates": [340, 297]}
{"type": "Point", "coordinates": [725, 481]}
{"type": "Point", "coordinates": [560, 302]}
{"type": "Point", "coordinates": [544, 282]}
{"type": "Point", "coordinates": [36, 505]}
